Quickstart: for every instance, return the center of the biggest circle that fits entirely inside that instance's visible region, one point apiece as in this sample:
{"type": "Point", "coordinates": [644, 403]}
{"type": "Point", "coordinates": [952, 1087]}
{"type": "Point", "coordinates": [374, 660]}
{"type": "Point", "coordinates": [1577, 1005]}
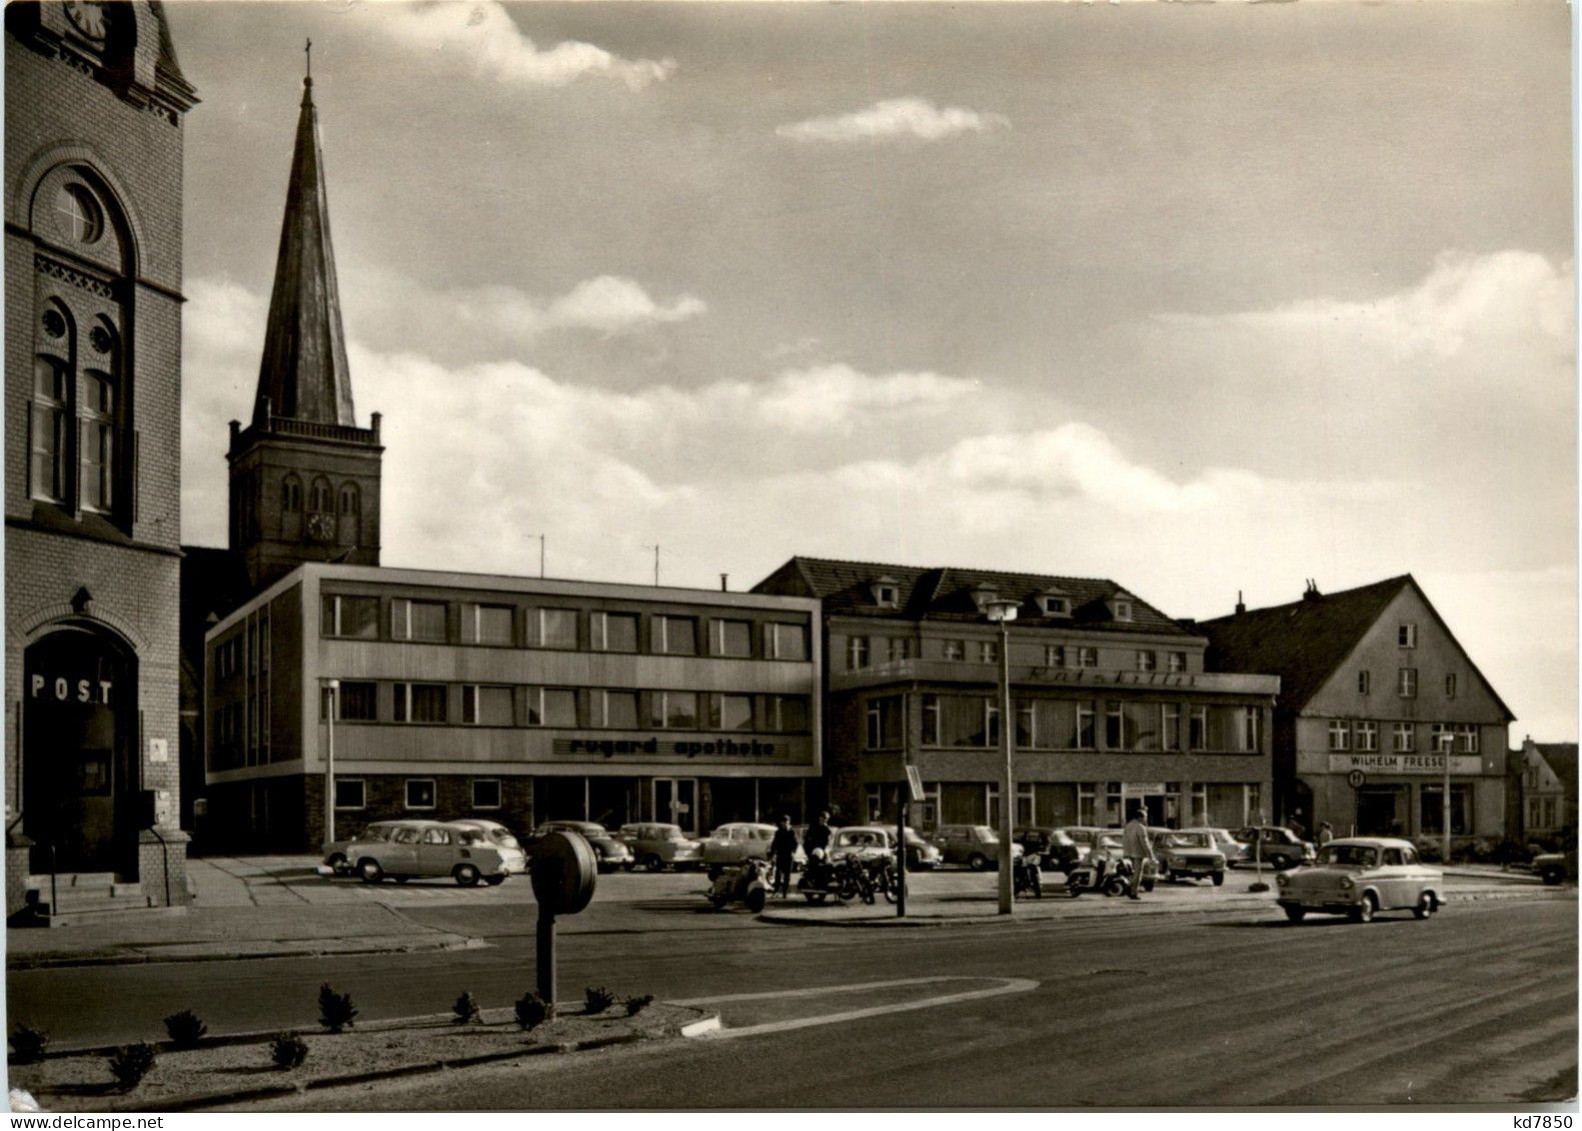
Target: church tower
{"type": "Point", "coordinates": [304, 476]}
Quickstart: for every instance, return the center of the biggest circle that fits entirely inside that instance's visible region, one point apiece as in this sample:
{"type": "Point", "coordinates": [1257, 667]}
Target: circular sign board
{"type": "Point", "coordinates": [563, 870]}
{"type": "Point", "coordinates": [1356, 778]}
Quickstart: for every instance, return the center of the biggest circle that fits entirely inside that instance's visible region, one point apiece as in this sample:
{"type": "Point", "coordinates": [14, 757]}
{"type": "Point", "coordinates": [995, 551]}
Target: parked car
{"type": "Point", "coordinates": [1278, 847]}
{"type": "Point", "coordinates": [1108, 844]}
{"type": "Point", "coordinates": [976, 846]}
{"type": "Point", "coordinates": [432, 848]}
{"type": "Point", "coordinates": [496, 832]}
{"type": "Point", "coordinates": [1554, 867]}
{"type": "Point", "coordinates": [866, 842]}
{"type": "Point", "coordinates": [1360, 876]}
{"type": "Point", "coordinates": [1188, 854]}
{"type": "Point", "coordinates": [335, 851]}
{"type": "Point", "coordinates": [1058, 852]}
{"type": "Point", "coordinates": [1235, 851]}
{"type": "Point", "coordinates": [921, 856]}
{"type": "Point", "coordinates": [656, 846]}
{"type": "Point", "coordinates": [736, 841]}
{"type": "Point", "coordinates": [610, 852]}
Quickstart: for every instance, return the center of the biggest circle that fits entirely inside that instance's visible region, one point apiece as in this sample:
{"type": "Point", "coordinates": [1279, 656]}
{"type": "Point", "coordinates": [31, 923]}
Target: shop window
{"type": "Point", "coordinates": [785, 641]}
{"type": "Point", "coordinates": [1432, 801]}
{"type": "Point", "coordinates": [614, 632]}
{"type": "Point", "coordinates": [676, 636]}
{"type": "Point", "coordinates": [486, 793]}
{"type": "Point", "coordinates": [355, 617]}
{"type": "Point", "coordinates": [420, 793]}
{"type": "Point", "coordinates": [350, 793]}
{"type": "Point", "coordinates": [557, 628]}
{"type": "Point", "coordinates": [733, 638]}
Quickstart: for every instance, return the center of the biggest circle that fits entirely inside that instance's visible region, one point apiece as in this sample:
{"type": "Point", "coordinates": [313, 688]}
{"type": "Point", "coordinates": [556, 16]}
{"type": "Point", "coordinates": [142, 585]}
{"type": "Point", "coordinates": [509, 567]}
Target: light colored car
{"type": "Point", "coordinates": [921, 856]}
{"type": "Point", "coordinates": [976, 846]}
{"type": "Point", "coordinates": [1083, 837]}
{"type": "Point", "coordinates": [736, 841]}
{"type": "Point", "coordinates": [656, 846]}
{"type": "Point", "coordinates": [498, 835]}
{"type": "Point", "coordinates": [415, 849]}
{"type": "Point", "coordinates": [335, 851]}
{"type": "Point", "coordinates": [866, 842]}
{"type": "Point", "coordinates": [1188, 854]}
{"type": "Point", "coordinates": [1360, 876]}
{"type": "Point", "coordinates": [610, 851]}
{"type": "Point", "coordinates": [1235, 851]}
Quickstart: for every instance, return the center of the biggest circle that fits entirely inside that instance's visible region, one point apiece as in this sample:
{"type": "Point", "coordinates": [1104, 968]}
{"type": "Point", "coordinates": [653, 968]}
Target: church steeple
{"type": "Point", "coordinates": [304, 477]}
{"type": "Point", "coordinates": [304, 375]}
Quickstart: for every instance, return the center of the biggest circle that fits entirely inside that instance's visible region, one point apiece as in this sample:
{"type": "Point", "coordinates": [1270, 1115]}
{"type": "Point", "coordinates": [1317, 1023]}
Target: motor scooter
{"type": "Point", "coordinates": [746, 883]}
{"type": "Point", "coordinates": [1099, 874]}
{"type": "Point", "coordinates": [1027, 874]}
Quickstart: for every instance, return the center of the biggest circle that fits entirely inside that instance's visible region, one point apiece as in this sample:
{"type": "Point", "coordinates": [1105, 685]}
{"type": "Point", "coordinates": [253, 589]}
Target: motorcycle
{"type": "Point", "coordinates": [882, 877]}
{"type": "Point", "coordinates": [747, 883]}
{"type": "Point", "coordinates": [1100, 874]}
{"type": "Point", "coordinates": [845, 879]}
{"type": "Point", "coordinates": [1027, 876]}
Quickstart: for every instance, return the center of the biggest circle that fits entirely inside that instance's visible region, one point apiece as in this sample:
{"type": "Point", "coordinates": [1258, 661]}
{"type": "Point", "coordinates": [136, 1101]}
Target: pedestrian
{"type": "Point", "coordinates": [783, 849]}
{"type": "Point", "coordinates": [1137, 847]}
{"type": "Point", "coordinates": [1325, 834]}
{"type": "Point", "coordinates": [818, 833]}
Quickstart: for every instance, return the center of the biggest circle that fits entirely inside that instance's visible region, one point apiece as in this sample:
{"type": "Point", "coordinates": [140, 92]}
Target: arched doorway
{"type": "Point", "coordinates": [79, 762]}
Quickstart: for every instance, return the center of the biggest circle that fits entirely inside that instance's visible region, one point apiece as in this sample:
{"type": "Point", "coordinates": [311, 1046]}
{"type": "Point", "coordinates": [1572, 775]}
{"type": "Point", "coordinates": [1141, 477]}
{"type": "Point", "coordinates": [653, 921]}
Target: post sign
{"type": "Point", "coordinates": [914, 782]}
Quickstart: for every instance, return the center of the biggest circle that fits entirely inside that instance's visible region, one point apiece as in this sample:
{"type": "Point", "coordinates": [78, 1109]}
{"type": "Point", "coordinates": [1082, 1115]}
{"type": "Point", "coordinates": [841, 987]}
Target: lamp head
{"type": "Point", "coordinates": [334, 685]}
{"type": "Point", "coordinates": [1000, 610]}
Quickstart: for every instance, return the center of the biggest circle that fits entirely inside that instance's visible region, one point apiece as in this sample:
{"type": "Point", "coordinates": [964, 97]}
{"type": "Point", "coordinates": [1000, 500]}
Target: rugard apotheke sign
{"type": "Point", "coordinates": [685, 748]}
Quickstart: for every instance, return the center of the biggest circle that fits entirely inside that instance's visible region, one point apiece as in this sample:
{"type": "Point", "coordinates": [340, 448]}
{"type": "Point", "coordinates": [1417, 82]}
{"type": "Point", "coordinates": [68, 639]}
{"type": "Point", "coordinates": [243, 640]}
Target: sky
{"type": "Point", "coordinates": [1208, 299]}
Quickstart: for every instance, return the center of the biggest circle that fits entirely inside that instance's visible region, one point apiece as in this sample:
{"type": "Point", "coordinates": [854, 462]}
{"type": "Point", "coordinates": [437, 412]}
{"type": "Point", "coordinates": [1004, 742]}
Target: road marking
{"type": "Point", "coordinates": [1006, 986]}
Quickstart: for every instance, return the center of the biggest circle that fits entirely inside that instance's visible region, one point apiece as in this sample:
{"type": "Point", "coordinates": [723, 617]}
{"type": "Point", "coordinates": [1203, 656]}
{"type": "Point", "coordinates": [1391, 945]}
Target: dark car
{"type": "Point", "coordinates": [1058, 852]}
{"type": "Point", "coordinates": [1275, 846]}
{"type": "Point", "coordinates": [611, 852]}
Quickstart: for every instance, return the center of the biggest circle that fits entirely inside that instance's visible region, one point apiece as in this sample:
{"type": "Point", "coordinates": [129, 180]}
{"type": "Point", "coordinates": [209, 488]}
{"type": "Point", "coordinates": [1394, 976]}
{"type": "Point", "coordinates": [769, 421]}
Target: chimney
{"type": "Point", "coordinates": [1240, 607]}
{"type": "Point", "coordinates": [1311, 593]}
{"type": "Point", "coordinates": [724, 579]}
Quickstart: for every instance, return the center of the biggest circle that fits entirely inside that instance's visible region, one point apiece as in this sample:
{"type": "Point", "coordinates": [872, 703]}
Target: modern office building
{"type": "Point", "coordinates": [518, 699]}
{"type": "Point", "coordinates": [1374, 688]}
{"type": "Point", "coordinates": [95, 106]}
{"type": "Point", "coordinates": [1112, 700]}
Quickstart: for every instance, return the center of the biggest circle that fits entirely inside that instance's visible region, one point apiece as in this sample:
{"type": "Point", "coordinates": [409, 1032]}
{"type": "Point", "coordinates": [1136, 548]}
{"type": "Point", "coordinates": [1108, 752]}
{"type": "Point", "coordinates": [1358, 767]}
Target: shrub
{"type": "Point", "coordinates": [288, 1051]}
{"type": "Point", "coordinates": [532, 1011]}
{"type": "Point", "coordinates": [598, 999]}
{"type": "Point", "coordinates": [635, 1005]}
{"type": "Point", "coordinates": [28, 1044]}
{"type": "Point", "coordinates": [335, 1010]}
{"type": "Point", "coordinates": [185, 1029]}
{"type": "Point", "coordinates": [130, 1063]}
{"type": "Point", "coordinates": [466, 1009]}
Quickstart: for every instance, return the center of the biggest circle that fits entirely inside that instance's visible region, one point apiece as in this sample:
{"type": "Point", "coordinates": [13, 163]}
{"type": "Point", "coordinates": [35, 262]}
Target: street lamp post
{"type": "Point", "coordinates": [334, 687]}
{"type": "Point", "coordinates": [1003, 613]}
{"type": "Point", "coordinates": [1444, 801]}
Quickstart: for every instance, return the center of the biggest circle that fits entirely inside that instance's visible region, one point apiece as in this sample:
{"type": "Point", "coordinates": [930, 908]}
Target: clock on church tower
{"type": "Point", "coordinates": [321, 527]}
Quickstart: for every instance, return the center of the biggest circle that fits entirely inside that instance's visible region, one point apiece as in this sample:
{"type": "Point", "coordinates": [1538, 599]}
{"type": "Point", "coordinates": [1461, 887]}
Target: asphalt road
{"type": "Point", "coordinates": [1478, 1005]}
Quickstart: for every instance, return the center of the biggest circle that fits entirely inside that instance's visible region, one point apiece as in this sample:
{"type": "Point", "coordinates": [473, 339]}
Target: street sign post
{"type": "Point", "coordinates": [1356, 778]}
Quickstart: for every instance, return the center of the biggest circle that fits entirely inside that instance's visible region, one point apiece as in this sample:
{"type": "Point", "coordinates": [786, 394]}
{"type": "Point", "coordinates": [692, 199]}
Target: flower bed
{"type": "Point", "coordinates": [222, 1069]}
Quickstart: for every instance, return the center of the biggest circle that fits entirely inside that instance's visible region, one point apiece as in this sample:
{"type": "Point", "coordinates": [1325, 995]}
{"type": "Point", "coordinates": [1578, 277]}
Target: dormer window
{"type": "Point", "coordinates": [1121, 606]}
{"type": "Point", "coordinates": [1054, 603]}
{"type": "Point", "coordinates": [886, 592]}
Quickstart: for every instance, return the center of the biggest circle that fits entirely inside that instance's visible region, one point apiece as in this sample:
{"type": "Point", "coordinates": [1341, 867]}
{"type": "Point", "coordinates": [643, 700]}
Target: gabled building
{"type": "Point", "coordinates": [1112, 698]}
{"type": "Point", "coordinates": [95, 112]}
{"type": "Point", "coordinates": [1548, 784]}
{"type": "Point", "coordinates": [1374, 689]}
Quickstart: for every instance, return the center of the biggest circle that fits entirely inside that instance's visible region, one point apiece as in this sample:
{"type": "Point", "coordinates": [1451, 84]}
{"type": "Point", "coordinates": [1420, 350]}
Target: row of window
{"type": "Point", "coordinates": [322, 497]}
{"type": "Point", "coordinates": [352, 793]}
{"type": "Point", "coordinates": [1405, 681]}
{"type": "Point", "coordinates": [509, 705]}
{"type": "Point", "coordinates": [73, 429]}
{"type": "Point", "coordinates": [1230, 804]}
{"type": "Point", "coordinates": [864, 651]}
{"type": "Point", "coordinates": [249, 646]}
{"type": "Point", "coordinates": [1543, 812]}
{"type": "Point", "coordinates": [1363, 735]}
{"type": "Point", "coordinates": [1067, 724]}
{"type": "Point", "coordinates": [568, 629]}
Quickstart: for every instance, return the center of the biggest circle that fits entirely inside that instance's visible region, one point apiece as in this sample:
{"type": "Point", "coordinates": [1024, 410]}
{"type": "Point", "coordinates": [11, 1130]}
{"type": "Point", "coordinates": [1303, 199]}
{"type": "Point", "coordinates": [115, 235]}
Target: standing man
{"type": "Point", "coordinates": [816, 838]}
{"type": "Point", "coordinates": [783, 849]}
{"type": "Point", "coordinates": [1137, 846]}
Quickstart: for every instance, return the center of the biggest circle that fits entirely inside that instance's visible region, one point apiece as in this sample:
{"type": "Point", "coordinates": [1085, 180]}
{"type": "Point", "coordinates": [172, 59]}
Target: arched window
{"type": "Point", "coordinates": [323, 501]}
{"type": "Point", "coordinates": [96, 447]}
{"type": "Point", "coordinates": [47, 465]}
{"type": "Point", "coordinates": [349, 501]}
{"type": "Point", "coordinates": [291, 495]}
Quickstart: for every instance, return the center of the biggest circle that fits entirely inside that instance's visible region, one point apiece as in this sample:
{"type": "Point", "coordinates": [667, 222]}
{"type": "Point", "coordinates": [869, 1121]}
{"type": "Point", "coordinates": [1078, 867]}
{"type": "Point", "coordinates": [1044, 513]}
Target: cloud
{"type": "Point", "coordinates": [894, 118]}
{"type": "Point", "coordinates": [482, 36]}
{"type": "Point", "coordinates": [401, 313]}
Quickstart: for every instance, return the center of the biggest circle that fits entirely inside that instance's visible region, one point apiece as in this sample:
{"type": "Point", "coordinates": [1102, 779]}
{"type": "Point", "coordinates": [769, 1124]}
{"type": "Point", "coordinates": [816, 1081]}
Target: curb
{"type": "Point", "coordinates": [277, 1091]}
{"type": "Point", "coordinates": [140, 958]}
{"type": "Point", "coordinates": [874, 922]}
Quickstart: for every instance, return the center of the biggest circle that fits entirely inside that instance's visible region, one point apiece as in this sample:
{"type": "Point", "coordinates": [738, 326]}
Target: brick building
{"type": "Point", "coordinates": [1113, 703]}
{"type": "Point", "coordinates": [95, 103]}
{"type": "Point", "coordinates": [1375, 694]}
